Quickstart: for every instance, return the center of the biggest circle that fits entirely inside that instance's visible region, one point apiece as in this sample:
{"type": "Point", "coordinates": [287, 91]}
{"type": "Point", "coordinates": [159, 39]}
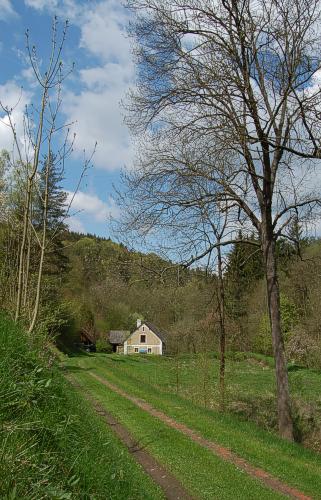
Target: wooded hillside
{"type": "Point", "coordinates": [106, 286]}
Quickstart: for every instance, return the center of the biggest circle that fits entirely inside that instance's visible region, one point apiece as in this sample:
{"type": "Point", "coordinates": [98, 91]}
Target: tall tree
{"type": "Point", "coordinates": [57, 212]}
{"type": "Point", "coordinates": [233, 83]}
{"type": "Point", "coordinates": [38, 139]}
{"type": "Point", "coordinates": [51, 209]}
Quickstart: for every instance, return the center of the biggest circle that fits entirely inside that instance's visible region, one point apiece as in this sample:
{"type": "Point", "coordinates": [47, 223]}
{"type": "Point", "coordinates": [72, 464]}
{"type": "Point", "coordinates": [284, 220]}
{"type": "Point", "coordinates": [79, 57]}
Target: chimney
{"type": "Point", "coordinates": [139, 322]}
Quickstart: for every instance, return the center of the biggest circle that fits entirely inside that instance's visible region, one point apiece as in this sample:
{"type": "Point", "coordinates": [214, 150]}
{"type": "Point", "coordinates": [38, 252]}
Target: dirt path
{"type": "Point", "coordinates": [220, 451]}
{"type": "Point", "coordinates": [172, 488]}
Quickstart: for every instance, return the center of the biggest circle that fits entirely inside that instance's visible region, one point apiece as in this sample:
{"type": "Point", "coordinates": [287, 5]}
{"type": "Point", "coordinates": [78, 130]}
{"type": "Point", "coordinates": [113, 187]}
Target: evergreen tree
{"type": "Point", "coordinates": [56, 260]}
{"type": "Point", "coordinates": [243, 268]}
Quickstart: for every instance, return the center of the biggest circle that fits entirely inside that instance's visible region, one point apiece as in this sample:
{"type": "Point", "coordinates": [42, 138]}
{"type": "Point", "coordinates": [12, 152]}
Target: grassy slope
{"type": "Point", "coordinates": [141, 376]}
{"type": "Point", "coordinates": [52, 444]}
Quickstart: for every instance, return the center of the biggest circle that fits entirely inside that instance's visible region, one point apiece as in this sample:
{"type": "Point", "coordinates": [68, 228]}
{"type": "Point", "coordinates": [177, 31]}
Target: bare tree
{"type": "Point", "coordinates": [47, 143]}
{"type": "Point", "coordinates": [37, 134]}
{"type": "Point", "coordinates": [235, 83]}
{"type": "Point", "coordinates": [192, 220]}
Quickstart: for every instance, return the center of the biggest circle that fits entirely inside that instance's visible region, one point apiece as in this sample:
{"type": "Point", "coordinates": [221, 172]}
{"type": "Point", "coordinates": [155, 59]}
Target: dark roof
{"type": "Point", "coordinates": [160, 333]}
{"type": "Point", "coordinates": [118, 336]}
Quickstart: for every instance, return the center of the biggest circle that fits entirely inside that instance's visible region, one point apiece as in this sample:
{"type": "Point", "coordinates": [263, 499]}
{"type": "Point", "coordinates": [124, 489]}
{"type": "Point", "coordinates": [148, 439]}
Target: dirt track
{"type": "Point", "coordinates": [172, 488]}
{"type": "Point", "coordinates": [222, 452]}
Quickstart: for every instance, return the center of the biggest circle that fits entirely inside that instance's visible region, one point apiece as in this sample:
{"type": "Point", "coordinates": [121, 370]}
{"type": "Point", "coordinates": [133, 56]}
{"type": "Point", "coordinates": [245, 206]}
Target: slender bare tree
{"type": "Point", "coordinates": [49, 80]}
{"type": "Point", "coordinates": [46, 146]}
{"type": "Point", "coordinates": [236, 83]}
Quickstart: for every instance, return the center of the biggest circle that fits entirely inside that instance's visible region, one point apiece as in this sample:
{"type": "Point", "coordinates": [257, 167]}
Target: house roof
{"type": "Point", "coordinates": [160, 333]}
{"type": "Point", "coordinates": [118, 336]}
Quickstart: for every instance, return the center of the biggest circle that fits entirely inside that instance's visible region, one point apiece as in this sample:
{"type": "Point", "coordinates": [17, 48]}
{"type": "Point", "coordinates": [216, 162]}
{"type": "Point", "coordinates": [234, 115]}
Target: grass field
{"type": "Point", "coordinates": [250, 387]}
{"type": "Point", "coordinates": [183, 390]}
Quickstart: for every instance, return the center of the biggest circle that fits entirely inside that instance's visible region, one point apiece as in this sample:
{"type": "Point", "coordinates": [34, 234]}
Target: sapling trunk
{"type": "Point", "coordinates": [26, 215]}
{"type": "Point", "coordinates": [221, 309]}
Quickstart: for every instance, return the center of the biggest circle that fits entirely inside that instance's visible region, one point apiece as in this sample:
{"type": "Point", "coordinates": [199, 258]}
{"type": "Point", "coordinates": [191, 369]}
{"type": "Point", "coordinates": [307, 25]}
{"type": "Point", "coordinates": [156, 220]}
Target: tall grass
{"type": "Point", "coordinates": [52, 445]}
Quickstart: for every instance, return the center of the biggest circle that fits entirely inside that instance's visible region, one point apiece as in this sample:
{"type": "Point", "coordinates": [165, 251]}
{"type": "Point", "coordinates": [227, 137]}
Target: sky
{"type": "Point", "coordinates": [97, 44]}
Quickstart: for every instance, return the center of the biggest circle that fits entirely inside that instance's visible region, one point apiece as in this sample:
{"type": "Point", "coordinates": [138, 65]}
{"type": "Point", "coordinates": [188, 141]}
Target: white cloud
{"type": "Point", "coordinates": [76, 225]}
{"type": "Point", "coordinates": [91, 205]}
{"type": "Point", "coordinates": [96, 108]}
{"type": "Point", "coordinates": [97, 113]}
{"type": "Point", "coordinates": [15, 98]}
{"type": "Point", "coordinates": [6, 10]}
{"type": "Point", "coordinates": [102, 32]}
{"type": "Point", "coordinates": [42, 4]}
{"type": "Point", "coordinates": [71, 9]}
{"type": "Point", "coordinates": [95, 105]}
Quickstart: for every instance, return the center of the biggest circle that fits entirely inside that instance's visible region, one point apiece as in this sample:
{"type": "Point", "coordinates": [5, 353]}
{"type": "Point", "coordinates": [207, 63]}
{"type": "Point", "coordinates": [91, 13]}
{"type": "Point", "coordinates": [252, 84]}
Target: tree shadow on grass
{"type": "Point", "coordinates": [127, 359]}
{"type": "Point", "coordinates": [296, 368]}
{"type": "Point", "coordinates": [75, 369]}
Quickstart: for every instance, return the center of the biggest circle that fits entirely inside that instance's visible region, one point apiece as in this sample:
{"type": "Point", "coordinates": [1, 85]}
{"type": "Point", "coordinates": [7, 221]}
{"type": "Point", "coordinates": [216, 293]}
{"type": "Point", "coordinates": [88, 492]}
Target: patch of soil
{"type": "Point", "coordinates": [220, 451]}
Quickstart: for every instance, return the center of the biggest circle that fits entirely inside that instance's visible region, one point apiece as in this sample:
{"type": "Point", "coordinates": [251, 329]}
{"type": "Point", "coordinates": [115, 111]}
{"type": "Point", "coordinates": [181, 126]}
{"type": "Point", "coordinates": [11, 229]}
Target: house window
{"type": "Point", "coordinates": [143, 339]}
{"type": "Point", "coordinates": [143, 328]}
{"type": "Point", "coordinates": [149, 350]}
{"type": "Point", "coordinates": [136, 349]}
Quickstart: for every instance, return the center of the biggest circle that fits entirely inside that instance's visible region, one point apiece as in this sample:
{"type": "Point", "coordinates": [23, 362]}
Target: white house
{"type": "Point", "coordinates": [146, 339]}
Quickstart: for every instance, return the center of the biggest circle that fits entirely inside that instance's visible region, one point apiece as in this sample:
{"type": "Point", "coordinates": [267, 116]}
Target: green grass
{"type": "Point", "coordinates": [250, 386]}
{"type": "Point", "coordinates": [141, 376]}
{"type": "Point", "coordinates": [52, 444]}
{"type": "Point", "coordinates": [211, 478]}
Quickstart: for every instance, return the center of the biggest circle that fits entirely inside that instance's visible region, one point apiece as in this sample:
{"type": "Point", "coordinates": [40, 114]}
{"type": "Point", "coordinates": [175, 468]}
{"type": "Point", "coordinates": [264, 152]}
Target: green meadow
{"type": "Point", "coordinates": [174, 386]}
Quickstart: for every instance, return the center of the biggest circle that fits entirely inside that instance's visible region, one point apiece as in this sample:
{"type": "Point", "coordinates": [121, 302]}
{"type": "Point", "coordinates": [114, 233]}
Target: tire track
{"type": "Point", "coordinates": [171, 486]}
{"type": "Point", "coordinates": [224, 453]}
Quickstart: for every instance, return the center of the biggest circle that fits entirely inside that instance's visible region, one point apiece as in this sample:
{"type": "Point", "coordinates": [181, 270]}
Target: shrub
{"type": "Point", "coordinates": [103, 346]}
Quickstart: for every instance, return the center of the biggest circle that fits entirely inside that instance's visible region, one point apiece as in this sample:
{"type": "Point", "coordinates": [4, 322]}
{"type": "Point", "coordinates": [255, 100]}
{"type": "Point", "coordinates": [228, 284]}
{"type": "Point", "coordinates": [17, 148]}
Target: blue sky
{"type": "Point", "coordinates": [103, 73]}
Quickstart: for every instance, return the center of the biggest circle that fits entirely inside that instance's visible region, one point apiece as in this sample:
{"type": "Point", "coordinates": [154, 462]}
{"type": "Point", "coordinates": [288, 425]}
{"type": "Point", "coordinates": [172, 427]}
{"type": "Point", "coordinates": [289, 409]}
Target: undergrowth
{"type": "Point", "coordinates": [52, 445]}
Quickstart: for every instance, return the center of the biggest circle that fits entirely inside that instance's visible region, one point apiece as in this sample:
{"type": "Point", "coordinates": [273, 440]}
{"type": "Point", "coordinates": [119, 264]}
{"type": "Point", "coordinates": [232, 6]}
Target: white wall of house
{"type": "Point", "coordinates": [143, 340]}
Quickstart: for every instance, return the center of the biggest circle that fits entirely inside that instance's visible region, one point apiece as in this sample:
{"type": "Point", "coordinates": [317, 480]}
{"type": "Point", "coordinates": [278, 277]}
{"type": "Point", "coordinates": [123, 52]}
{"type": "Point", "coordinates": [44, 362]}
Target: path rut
{"type": "Point", "coordinates": [220, 451]}
{"type": "Point", "coordinates": [172, 488]}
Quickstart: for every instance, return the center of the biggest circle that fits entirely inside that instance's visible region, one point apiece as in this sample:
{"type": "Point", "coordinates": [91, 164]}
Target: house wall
{"type": "Point", "coordinates": [133, 344]}
{"type": "Point", "coordinates": [137, 349]}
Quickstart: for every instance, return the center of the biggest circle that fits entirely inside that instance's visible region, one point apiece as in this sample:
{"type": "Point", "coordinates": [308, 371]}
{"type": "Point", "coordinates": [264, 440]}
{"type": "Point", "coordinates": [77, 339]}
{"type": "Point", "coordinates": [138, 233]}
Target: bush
{"type": "Point", "coordinates": [103, 346]}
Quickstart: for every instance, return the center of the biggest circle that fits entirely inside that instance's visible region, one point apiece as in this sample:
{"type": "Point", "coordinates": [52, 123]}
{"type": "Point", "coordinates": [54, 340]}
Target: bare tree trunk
{"type": "Point", "coordinates": [282, 383]}
{"type": "Point", "coordinates": [221, 308]}
{"type": "Point", "coordinates": [39, 283]}
{"type": "Point", "coordinates": [23, 248]}
{"type": "Point", "coordinates": [26, 214]}
{"type": "Point", "coordinates": [27, 271]}
{"type": "Point", "coordinates": [43, 244]}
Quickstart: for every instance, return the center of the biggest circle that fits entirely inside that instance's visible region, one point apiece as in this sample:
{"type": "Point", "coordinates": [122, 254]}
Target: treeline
{"type": "Point", "coordinates": [248, 317]}
{"type": "Point", "coordinates": [108, 287]}
{"type": "Point", "coordinates": [32, 259]}
{"type": "Point", "coordinates": [33, 207]}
